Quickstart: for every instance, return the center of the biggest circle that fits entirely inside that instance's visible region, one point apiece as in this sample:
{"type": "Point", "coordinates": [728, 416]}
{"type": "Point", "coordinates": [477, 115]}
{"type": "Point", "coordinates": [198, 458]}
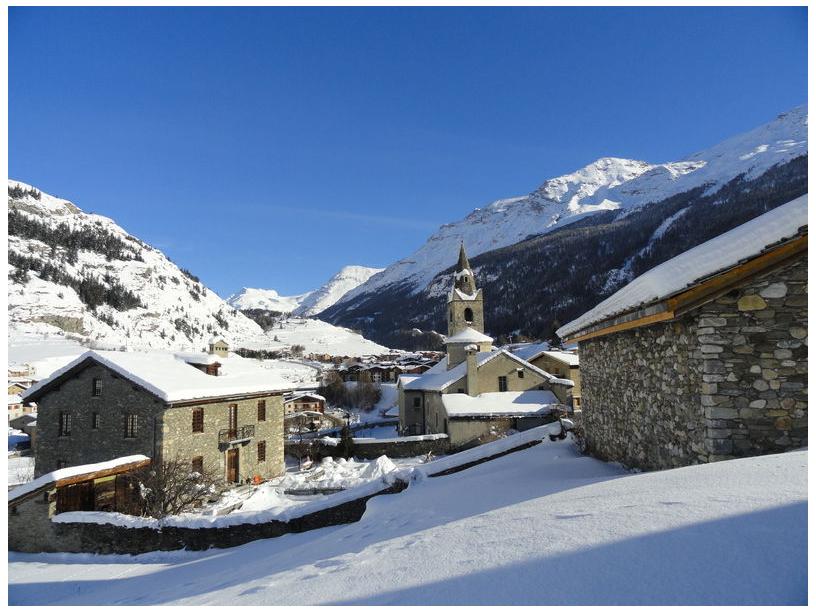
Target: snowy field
{"type": "Point", "coordinates": [540, 526]}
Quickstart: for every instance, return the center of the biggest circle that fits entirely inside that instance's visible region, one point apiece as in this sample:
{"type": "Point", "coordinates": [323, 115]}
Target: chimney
{"type": "Point", "coordinates": [472, 373]}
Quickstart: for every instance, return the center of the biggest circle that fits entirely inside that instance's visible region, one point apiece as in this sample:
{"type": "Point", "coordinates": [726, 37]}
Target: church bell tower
{"type": "Point", "coordinates": [465, 306]}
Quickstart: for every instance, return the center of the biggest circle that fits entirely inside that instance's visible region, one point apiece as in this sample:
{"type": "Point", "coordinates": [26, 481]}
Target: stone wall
{"type": "Point", "coordinates": [107, 539]}
{"type": "Point", "coordinates": [393, 449]}
{"type": "Point", "coordinates": [754, 345]}
{"type": "Point", "coordinates": [728, 379]}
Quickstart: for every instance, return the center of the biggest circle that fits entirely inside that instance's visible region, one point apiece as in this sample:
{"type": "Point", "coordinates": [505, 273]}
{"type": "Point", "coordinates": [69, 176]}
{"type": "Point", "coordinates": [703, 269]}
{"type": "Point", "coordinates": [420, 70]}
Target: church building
{"type": "Point", "coordinates": [477, 391]}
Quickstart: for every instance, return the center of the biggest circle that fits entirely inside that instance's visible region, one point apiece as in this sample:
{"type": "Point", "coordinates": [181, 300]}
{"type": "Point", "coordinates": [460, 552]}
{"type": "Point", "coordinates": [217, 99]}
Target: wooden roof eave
{"type": "Point", "coordinates": [681, 302]}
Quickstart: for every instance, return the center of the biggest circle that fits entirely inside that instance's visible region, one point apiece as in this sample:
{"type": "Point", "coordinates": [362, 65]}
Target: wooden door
{"type": "Point", "coordinates": [75, 497]}
{"type": "Point", "coordinates": [232, 465]}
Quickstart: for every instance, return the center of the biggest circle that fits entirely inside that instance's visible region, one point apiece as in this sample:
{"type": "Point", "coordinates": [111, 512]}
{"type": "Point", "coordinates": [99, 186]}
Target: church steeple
{"type": "Point", "coordinates": [465, 308]}
{"type": "Point", "coordinates": [463, 278]}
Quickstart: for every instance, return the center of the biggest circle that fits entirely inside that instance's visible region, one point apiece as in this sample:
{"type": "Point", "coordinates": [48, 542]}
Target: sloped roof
{"type": "Point", "coordinates": [531, 350]}
{"type": "Point", "coordinates": [697, 264]}
{"type": "Point", "coordinates": [76, 473]}
{"type": "Point", "coordinates": [501, 403]}
{"type": "Point", "coordinates": [468, 336]}
{"type": "Point", "coordinates": [440, 378]}
{"type": "Point", "coordinates": [172, 379]}
{"type": "Point", "coordinates": [570, 359]}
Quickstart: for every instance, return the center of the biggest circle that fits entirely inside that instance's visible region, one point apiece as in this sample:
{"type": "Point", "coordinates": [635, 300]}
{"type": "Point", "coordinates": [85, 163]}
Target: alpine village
{"type": "Point", "coordinates": [593, 393]}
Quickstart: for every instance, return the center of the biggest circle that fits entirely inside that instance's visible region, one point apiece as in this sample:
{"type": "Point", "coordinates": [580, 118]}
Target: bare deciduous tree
{"type": "Point", "coordinates": [172, 487]}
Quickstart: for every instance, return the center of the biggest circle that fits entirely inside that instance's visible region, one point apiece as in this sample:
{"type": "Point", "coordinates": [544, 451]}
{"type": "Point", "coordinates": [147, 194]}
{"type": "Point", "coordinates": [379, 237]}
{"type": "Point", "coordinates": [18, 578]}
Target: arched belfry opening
{"type": "Point", "coordinates": [469, 316]}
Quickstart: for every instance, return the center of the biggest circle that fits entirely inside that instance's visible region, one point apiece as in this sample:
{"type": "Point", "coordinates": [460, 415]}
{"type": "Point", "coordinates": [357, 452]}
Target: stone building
{"type": "Point", "coordinates": [304, 402]}
{"type": "Point", "coordinates": [564, 364]}
{"type": "Point", "coordinates": [476, 391]}
{"type": "Point", "coordinates": [108, 404]}
{"type": "Point", "coordinates": [104, 487]}
{"type": "Point", "coordinates": [705, 356]}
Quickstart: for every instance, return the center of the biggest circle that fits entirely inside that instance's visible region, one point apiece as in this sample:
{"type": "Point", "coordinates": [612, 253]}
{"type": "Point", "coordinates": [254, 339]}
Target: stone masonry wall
{"type": "Point", "coordinates": [641, 397]}
{"type": "Point", "coordinates": [727, 380]}
{"type": "Point", "coordinates": [754, 345]}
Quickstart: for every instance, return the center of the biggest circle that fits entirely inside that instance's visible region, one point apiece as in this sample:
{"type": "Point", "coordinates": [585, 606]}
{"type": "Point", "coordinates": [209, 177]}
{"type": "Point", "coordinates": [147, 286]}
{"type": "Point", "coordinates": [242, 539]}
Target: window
{"type": "Point", "coordinates": [233, 417]}
{"type": "Point", "coordinates": [417, 402]}
{"type": "Point", "coordinates": [197, 464]}
{"type": "Point", "coordinates": [198, 420]}
{"type": "Point", "coordinates": [96, 387]}
{"type": "Point", "coordinates": [468, 315]}
{"type": "Point", "coordinates": [460, 390]}
{"type": "Point", "coordinates": [502, 383]}
{"type": "Point", "coordinates": [65, 424]}
{"type": "Point", "coordinates": [61, 463]}
{"type": "Point", "coordinates": [261, 410]}
{"type": "Point", "coordinates": [520, 373]}
{"type": "Point", "coordinates": [131, 425]}
{"type": "Point", "coordinates": [262, 450]}
{"type": "Point", "coordinates": [95, 420]}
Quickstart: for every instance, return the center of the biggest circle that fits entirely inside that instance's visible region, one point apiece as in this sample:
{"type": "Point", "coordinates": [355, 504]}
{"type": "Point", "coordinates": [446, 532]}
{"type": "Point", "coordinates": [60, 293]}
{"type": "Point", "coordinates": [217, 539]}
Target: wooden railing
{"type": "Point", "coordinates": [240, 433]}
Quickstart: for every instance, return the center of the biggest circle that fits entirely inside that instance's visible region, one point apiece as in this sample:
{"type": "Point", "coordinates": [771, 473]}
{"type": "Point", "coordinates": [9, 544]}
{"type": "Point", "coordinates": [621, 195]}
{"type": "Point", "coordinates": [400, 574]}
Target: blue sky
{"type": "Point", "coordinates": [269, 147]}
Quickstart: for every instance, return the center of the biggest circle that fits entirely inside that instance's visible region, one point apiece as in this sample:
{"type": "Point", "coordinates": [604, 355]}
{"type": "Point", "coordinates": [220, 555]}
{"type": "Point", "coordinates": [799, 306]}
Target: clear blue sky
{"type": "Point", "coordinates": [269, 147]}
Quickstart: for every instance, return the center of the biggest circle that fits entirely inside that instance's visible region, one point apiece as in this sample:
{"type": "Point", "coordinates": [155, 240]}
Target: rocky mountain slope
{"type": "Point", "coordinates": [548, 256]}
{"type": "Point", "coordinates": [81, 274]}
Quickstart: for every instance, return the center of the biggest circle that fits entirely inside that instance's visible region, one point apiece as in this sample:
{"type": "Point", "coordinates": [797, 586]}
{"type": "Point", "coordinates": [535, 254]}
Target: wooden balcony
{"type": "Point", "coordinates": [239, 434]}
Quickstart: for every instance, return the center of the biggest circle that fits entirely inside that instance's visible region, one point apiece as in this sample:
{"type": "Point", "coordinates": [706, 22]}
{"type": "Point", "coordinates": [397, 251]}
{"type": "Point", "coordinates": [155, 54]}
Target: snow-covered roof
{"type": "Point", "coordinates": [716, 255]}
{"type": "Point", "coordinates": [119, 464]}
{"type": "Point", "coordinates": [199, 358]}
{"type": "Point", "coordinates": [14, 399]}
{"type": "Point", "coordinates": [439, 378]}
{"type": "Point", "coordinates": [468, 336]}
{"type": "Point", "coordinates": [171, 379]}
{"type": "Point", "coordinates": [530, 350]}
{"type": "Point", "coordinates": [503, 403]}
{"type": "Point", "coordinates": [216, 339]}
{"type": "Point", "coordinates": [468, 297]}
{"type": "Point", "coordinates": [570, 359]}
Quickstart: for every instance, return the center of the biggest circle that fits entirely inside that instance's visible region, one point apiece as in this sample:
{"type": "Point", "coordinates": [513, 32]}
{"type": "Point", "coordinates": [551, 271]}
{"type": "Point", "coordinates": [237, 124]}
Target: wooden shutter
{"type": "Point", "coordinates": [198, 420]}
{"type": "Point", "coordinates": [262, 450]}
{"type": "Point", "coordinates": [261, 410]}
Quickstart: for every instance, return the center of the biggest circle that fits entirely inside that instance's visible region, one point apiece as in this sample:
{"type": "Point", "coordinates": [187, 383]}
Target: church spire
{"type": "Point", "coordinates": [463, 278]}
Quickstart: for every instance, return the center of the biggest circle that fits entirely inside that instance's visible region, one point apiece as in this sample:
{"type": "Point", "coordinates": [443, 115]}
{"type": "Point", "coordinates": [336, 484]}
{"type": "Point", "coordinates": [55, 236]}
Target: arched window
{"type": "Point", "coordinates": [468, 315]}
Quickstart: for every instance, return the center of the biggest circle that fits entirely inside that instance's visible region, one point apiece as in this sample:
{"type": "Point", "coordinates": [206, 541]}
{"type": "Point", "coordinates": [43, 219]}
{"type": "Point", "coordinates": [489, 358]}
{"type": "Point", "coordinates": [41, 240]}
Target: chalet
{"type": "Point", "coordinates": [304, 402]}
{"type": "Point", "coordinates": [477, 390]}
{"type": "Point", "coordinates": [703, 357]}
{"type": "Point", "coordinates": [107, 404]}
{"type": "Point", "coordinates": [218, 346]}
{"type": "Point", "coordinates": [104, 487]}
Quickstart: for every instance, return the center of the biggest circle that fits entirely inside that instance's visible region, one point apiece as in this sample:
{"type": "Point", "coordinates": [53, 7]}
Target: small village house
{"type": "Point", "coordinates": [476, 391]}
{"type": "Point", "coordinates": [104, 487]}
{"type": "Point", "coordinates": [107, 404]}
{"type": "Point", "coordinates": [563, 364]}
{"type": "Point", "coordinates": [703, 357]}
{"type": "Point", "coordinates": [304, 402]}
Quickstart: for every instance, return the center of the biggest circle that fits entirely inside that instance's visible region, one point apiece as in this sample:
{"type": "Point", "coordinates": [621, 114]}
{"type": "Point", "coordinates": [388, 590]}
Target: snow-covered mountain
{"type": "Point", "coordinates": [306, 304]}
{"type": "Point", "coordinates": [545, 258]}
{"type": "Point", "coordinates": [82, 274]}
{"type": "Point", "coordinates": [84, 279]}
{"type": "Point", "coordinates": [608, 183]}
{"type": "Point", "coordinates": [249, 298]}
{"type": "Point", "coordinates": [348, 278]}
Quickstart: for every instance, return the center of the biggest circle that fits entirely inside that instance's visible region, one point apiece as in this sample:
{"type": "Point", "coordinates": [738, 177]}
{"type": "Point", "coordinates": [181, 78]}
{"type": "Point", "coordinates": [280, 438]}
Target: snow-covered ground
{"type": "Point", "coordinates": [540, 526]}
{"type": "Point", "coordinates": [316, 337]}
{"type": "Point", "coordinates": [20, 469]}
